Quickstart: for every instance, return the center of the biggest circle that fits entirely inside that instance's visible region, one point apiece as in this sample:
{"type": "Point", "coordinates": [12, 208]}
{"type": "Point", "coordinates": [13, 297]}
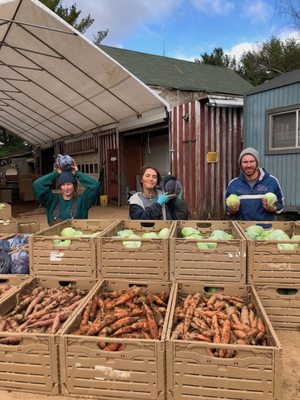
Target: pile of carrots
{"type": "Point", "coordinates": [41, 310]}
{"type": "Point", "coordinates": [218, 319]}
{"type": "Point", "coordinates": [133, 312]}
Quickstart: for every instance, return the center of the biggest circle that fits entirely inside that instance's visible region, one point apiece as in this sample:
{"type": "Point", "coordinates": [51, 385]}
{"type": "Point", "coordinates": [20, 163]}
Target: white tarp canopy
{"type": "Point", "coordinates": [54, 83]}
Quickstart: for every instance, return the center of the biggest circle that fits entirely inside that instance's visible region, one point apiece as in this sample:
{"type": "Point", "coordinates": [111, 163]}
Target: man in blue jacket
{"type": "Point", "coordinates": [250, 186]}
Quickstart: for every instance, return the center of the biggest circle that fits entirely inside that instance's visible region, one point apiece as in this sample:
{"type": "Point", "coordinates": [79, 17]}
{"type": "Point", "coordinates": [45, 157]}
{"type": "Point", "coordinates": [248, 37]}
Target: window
{"type": "Point", "coordinates": [88, 168]}
{"type": "Point", "coordinates": [284, 130]}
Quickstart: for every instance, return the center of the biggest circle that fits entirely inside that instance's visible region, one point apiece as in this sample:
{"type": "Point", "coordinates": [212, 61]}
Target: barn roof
{"type": "Point", "coordinates": [172, 73]}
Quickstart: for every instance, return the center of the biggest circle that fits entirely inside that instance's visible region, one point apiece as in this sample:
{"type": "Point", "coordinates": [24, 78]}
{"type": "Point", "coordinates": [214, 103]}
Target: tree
{"type": "Point", "coordinates": [71, 15]}
{"type": "Point", "coordinates": [272, 59]}
{"type": "Point", "coordinates": [290, 11]}
{"type": "Point", "coordinates": [12, 144]}
{"type": "Point", "coordinates": [217, 57]}
{"type": "Point", "coordinates": [99, 37]}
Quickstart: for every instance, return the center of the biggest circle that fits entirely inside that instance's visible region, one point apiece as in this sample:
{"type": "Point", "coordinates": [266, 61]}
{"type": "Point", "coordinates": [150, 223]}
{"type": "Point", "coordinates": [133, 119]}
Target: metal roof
{"type": "Point", "coordinates": [55, 83]}
{"type": "Point", "coordinates": [282, 80]}
{"type": "Point", "coordinates": [179, 74]}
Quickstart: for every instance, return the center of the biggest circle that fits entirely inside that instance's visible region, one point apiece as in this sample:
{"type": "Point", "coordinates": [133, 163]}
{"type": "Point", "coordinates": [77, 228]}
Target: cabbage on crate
{"type": "Point", "coordinates": [257, 232]}
{"type": "Point", "coordinates": [217, 234]}
{"type": "Point", "coordinates": [130, 234]}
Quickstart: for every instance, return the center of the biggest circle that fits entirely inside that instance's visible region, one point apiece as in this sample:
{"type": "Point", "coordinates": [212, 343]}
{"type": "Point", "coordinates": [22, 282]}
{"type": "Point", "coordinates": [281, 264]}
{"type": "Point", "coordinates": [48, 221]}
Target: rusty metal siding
{"type": "Point", "coordinates": [107, 141]}
{"type": "Point", "coordinates": [197, 129]}
{"type": "Point", "coordinates": [284, 166]}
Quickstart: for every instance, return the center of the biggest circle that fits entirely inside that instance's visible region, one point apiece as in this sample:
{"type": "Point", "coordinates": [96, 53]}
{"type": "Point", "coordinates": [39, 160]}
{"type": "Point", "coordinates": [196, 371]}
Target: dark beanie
{"type": "Point", "coordinates": [172, 185]}
{"type": "Point", "coordinates": [66, 177]}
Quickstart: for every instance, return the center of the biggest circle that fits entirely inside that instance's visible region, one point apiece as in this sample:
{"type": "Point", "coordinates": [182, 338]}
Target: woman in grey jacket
{"type": "Point", "coordinates": [152, 203]}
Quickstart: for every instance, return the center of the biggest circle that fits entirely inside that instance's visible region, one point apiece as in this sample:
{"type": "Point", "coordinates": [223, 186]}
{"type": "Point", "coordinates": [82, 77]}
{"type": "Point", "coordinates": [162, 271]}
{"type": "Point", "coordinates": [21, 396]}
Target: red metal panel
{"type": "Point", "coordinates": [198, 128]}
{"type": "Point", "coordinates": [106, 142]}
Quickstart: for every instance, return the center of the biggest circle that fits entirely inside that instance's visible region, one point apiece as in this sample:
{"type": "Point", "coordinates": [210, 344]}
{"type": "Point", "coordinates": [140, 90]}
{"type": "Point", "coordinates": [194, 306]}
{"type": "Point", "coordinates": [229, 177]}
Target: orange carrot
{"type": "Point", "coordinates": [151, 322]}
{"type": "Point", "coordinates": [239, 334]}
{"type": "Point", "coordinates": [216, 329]}
{"type": "Point", "coordinates": [225, 336]}
{"type": "Point", "coordinates": [245, 316]}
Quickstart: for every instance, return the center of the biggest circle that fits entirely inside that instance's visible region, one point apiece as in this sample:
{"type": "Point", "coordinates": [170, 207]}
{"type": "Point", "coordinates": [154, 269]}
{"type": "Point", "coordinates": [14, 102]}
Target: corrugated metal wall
{"type": "Point", "coordinates": [198, 128]}
{"type": "Point", "coordinates": [106, 141]}
{"type": "Point", "coordinates": [284, 166]}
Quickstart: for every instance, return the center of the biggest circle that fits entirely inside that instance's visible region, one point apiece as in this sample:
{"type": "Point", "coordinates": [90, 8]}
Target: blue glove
{"type": "Point", "coordinates": [179, 196]}
{"type": "Point", "coordinates": [162, 199]}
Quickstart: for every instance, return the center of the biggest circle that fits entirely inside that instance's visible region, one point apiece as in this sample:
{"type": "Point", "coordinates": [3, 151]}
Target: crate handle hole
{"type": "Point", "coordinates": [212, 289]}
{"type": "Point", "coordinates": [138, 285]}
{"type": "Point", "coordinates": [203, 225]}
{"type": "Point", "coordinates": [4, 280]}
{"type": "Point", "coordinates": [287, 291]}
{"type": "Point", "coordinates": [66, 283]}
{"type": "Point", "coordinates": [147, 224]}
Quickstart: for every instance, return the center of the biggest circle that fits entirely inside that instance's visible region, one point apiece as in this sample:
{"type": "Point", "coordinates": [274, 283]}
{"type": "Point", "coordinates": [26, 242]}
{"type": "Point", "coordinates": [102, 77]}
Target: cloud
{"type": "Point", "coordinates": [240, 48]}
{"type": "Point", "coordinates": [124, 17]}
{"type": "Point", "coordinates": [288, 34]}
{"type": "Point", "coordinates": [213, 6]}
{"type": "Point", "coordinates": [257, 11]}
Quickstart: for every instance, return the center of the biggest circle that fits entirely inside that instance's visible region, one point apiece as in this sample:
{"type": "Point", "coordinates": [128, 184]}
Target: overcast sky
{"type": "Point", "coordinates": [185, 28]}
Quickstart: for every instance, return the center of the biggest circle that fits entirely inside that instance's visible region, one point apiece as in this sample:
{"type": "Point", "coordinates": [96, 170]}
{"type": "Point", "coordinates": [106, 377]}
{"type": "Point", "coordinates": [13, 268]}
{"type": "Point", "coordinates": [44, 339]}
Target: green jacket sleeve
{"type": "Point", "coordinates": [92, 189]}
{"type": "Point", "coordinates": [42, 188]}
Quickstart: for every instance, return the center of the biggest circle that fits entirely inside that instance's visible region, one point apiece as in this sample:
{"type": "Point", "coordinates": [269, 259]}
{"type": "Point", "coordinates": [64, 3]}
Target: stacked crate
{"type": "Point", "coordinates": [28, 226]}
{"type": "Point", "coordinates": [143, 368]}
{"type": "Point", "coordinates": [148, 261]}
{"type": "Point", "coordinates": [226, 263]}
{"type": "Point", "coordinates": [9, 284]}
{"type": "Point", "coordinates": [275, 273]}
{"type": "Point", "coordinates": [78, 259]}
{"type": "Point", "coordinates": [137, 371]}
{"type": "Point", "coordinates": [29, 360]}
{"type": "Point", "coordinates": [7, 223]}
{"type": "Point", "coordinates": [252, 372]}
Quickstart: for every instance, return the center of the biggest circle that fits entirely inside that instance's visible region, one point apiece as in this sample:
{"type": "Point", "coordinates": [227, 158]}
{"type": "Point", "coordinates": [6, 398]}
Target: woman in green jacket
{"type": "Point", "coordinates": [67, 204]}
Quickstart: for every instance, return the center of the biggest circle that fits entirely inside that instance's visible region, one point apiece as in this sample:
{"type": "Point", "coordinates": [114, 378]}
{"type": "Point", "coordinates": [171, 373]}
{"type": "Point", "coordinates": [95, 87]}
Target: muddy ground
{"type": "Point", "coordinates": [290, 340]}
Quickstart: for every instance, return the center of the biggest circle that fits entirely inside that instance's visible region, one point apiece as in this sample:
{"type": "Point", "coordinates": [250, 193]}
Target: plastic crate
{"type": "Point", "coordinates": [253, 374]}
{"type": "Point", "coordinates": [137, 372]}
{"type": "Point", "coordinates": [9, 227]}
{"type": "Point", "coordinates": [282, 304]}
{"type": "Point", "coordinates": [5, 212]}
{"type": "Point", "coordinates": [266, 263]}
{"type": "Point", "coordinates": [77, 260]}
{"type": "Point", "coordinates": [149, 261]}
{"type": "Point", "coordinates": [28, 227]}
{"type": "Point", "coordinates": [32, 365]}
{"type": "Point", "coordinates": [225, 263]}
{"type": "Point", "coordinates": [14, 281]}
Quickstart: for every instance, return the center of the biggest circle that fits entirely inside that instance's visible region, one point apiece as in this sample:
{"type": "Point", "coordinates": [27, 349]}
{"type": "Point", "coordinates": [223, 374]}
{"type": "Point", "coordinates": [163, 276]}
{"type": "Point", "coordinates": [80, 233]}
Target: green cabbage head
{"type": "Point", "coordinates": [232, 201]}
{"type": "Point", "coordinates": [188, 231]}
{"type": "Point", "coordinates": [68, 232]}
{"type": "Point", "coordinates": [164, 233]}
{"type": "Point", "coordinates": [150, 235]}
{"type": "Point", "coordinates": [254, 232]}
{"type": "Point", "coordinates": [270, 198]}
{"type": "Point", "coordinates": [132, 244]}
